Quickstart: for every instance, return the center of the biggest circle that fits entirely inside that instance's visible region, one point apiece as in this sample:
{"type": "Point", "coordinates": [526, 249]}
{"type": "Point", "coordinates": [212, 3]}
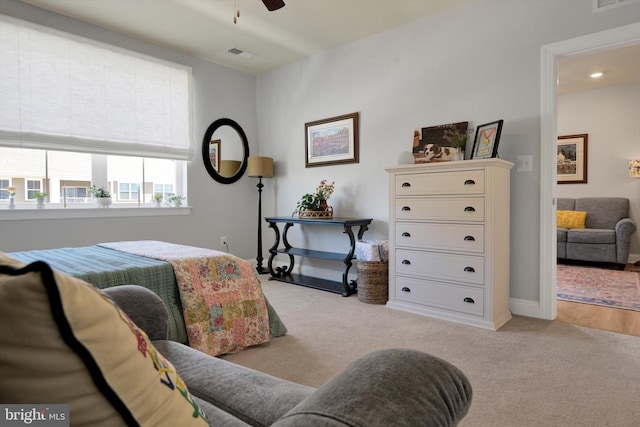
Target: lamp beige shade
{"type": "Point", "coordinates": [260, 167]}
{"type": "Point", "coordinates": [229, 167]}
{"type": "Point", "coordinates": [634, 168]}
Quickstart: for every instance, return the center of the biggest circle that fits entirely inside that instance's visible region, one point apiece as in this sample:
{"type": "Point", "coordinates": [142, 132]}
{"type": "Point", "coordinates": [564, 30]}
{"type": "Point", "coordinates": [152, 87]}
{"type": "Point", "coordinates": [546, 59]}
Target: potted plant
{"type": "Point", "coordinates": [101, 196]}
{"type": "Point", "coordinates": [157, 199]}
{"type": "Point", "coordinates": [175, 200]}
{"type": "Point", "coordinates": [40, 198]}
{"type": "Point", "coordinates": [314, 205]}
{"type": "Point", "coordinates": [457, 139]}
{"type": "Point", "coordinates": [12, 194]}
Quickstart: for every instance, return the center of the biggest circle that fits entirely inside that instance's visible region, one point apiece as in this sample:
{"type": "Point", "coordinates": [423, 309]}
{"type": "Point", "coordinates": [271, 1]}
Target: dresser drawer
{"type": "Point", "coordinates": [442, 209]}
{"type": "Point", "coordinates": [436, 294]}
{"type": "Point", "coordinates": [458, 182]}
{"type": "Point", "coordinates": [453, 237]}
{"type": "Point", "coordinates": [461, 268]}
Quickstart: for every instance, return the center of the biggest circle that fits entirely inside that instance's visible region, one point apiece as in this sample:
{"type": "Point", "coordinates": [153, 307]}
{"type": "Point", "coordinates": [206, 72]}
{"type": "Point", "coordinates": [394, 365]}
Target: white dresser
{"type": "Point", "coordinates": [449, 240]}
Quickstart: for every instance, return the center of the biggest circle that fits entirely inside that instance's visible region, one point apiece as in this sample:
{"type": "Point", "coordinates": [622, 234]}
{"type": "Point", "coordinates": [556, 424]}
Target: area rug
{"type": "Point", "coordinates": [599, 286]}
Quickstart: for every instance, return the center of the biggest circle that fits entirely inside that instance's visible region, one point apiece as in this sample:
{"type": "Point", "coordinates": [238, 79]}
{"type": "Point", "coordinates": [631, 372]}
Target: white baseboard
{"type": "Point", "coordinates": [525, 307]}
{"type": "Point", "coordinates": [633, 258]}
{"type": "Point", "coordinates": [520, 307]}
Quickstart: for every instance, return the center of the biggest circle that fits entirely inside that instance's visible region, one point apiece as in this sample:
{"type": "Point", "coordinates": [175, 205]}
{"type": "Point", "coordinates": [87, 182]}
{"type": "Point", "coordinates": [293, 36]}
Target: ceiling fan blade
{"type": "Point", "coordinates": [273, 4]}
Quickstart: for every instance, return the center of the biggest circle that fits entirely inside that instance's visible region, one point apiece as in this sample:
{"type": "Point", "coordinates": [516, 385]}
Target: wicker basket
{"type": "Point", "coordinates": [326, 214]}
{"type": "Point", "coordinates": [373, 282]}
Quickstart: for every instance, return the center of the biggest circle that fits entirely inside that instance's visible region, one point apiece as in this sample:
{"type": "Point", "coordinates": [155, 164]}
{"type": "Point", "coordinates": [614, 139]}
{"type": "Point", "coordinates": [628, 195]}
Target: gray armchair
{"type": "Point", "coordinates": [388, 387]}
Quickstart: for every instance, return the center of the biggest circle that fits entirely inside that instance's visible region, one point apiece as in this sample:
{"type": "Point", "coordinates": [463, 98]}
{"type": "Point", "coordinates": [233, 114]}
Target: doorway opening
{"type": "Point", "coordinates": [550, 55]}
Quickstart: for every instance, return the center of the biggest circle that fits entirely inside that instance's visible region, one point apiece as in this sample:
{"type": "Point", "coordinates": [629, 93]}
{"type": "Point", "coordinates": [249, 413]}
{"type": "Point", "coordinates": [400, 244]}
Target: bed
{"type": "Point", "coordinates": [196, 284]}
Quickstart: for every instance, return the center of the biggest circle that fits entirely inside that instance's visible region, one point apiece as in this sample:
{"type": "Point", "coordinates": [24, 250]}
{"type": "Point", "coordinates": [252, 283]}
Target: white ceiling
{"type": "Point", "coordinates": [205, 28]}
{"type": "Point", "coordinates": [619, 66]}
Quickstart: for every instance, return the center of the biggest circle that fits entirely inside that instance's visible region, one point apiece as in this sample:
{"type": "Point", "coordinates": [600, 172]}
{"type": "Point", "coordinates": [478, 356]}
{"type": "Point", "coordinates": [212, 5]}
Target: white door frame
{"type": "Point", "coordinates": [604, 40]}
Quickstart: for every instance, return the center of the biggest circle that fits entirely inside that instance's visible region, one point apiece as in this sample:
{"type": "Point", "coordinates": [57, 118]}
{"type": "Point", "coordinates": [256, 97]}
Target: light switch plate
{"type": "Point", "coordinates": [525, 163]}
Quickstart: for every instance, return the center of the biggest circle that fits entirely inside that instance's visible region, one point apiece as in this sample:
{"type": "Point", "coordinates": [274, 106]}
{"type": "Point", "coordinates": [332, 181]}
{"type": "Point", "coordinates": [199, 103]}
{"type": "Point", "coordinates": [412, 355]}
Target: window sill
{"type": "Point", "coordinates": [58, 212]}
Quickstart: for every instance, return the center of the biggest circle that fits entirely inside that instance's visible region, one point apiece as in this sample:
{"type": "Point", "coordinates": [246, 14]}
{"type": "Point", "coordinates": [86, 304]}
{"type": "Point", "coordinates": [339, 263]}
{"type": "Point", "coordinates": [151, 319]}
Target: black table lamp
{"type": "Point", "coordinates": [260, 167]}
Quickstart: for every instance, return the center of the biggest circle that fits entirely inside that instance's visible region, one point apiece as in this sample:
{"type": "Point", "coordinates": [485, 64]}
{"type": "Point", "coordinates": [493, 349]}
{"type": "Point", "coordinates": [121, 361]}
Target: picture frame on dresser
{"type": "Point", "coordinates": [485, 143]}
{"type": "Point", "coordinates": [436, 142]}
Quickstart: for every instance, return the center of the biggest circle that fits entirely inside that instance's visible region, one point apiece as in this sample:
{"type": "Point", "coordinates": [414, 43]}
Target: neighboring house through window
{"type": "Point", "coordinates": [33, 186]}
{"type": "Point", "coordinates": [4, 193]}
{"type": "Point", "coordinates": [128, 191]}
{"type": "Point", "coordinates": [163, 189]}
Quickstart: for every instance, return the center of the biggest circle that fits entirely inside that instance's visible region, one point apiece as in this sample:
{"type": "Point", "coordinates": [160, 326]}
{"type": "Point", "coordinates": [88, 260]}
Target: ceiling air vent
{"type": "Point", "coordinates": [242, 53]}
{"type": "Point", "coordinates": [602, 5]}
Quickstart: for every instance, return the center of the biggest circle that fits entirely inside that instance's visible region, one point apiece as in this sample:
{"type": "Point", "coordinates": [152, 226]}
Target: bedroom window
{"type": "Point", "coordinates": [68, 176]}
{"type": "Point", "coordinates": [78, 112]}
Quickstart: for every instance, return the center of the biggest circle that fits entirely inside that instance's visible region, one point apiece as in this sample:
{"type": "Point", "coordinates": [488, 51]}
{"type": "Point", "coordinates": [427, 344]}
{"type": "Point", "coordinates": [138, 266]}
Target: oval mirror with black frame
{"type": "Point", "coordinates": [225, 150]}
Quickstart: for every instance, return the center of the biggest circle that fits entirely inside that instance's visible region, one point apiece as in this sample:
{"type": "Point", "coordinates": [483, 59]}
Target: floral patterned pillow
{"type": "Point", "coordinates": [65, 342]}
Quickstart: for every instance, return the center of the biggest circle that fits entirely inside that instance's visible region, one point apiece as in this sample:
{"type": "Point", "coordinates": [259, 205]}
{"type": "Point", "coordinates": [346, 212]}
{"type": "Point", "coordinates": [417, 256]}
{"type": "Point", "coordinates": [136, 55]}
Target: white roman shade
{"type": "Point", "coordinates": [63, 92]}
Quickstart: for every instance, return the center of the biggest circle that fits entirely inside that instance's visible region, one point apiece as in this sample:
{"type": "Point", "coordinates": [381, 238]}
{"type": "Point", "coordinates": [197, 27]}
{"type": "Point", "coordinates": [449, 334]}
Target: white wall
{"type": "Point", "coordinates": [479, 62]}
{"type": "Point", "coordinates": [218, 209]}
{"type": "Point", "coordinates": [610, 118]}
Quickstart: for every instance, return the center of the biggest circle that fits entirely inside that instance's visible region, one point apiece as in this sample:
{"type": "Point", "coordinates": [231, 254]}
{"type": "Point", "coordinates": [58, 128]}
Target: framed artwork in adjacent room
{"type": "Point", "coordinates": [332, 141]}
{"type": "Point", "coordinates": [572, 159]}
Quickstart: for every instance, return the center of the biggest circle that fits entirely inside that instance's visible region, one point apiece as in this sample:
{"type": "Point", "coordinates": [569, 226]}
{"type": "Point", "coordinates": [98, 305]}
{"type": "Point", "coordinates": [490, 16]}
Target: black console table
{"type": "Point", "coordinates": [283, 274]}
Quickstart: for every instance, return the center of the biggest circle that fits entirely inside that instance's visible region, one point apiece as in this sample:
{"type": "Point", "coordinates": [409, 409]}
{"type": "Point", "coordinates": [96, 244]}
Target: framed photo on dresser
{"type": "Point", "coordinates": [485, 144]}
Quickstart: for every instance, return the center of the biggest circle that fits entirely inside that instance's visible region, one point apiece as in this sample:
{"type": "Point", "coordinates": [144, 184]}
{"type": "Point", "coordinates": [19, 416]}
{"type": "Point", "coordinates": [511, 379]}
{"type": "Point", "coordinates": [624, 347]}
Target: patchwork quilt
{"type": "Point", "coordinates": [222, 300]}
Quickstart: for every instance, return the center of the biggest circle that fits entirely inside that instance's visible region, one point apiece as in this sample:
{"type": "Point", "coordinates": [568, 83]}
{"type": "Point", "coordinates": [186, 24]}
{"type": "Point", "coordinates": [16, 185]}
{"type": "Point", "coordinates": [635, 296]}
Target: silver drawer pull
{"type": "Point", "coordinates": [469, 238]}
{"type": "Point", "coordinates": [469, 209]}
{"type": "Point", "coordinates": [405, 234]}
{"type": "Point", "coordinates": [469, 182]}
{"type": "Point", "coordinates": [405, 289]}
{"type": "Point", "coordinates": [469, 300]}
{"type": "Point", "coordinates": [406, 208]}
{"type": "Point", "coordinates": [470, 269]}
{"type": "Point", "coordinates": [406, 184]}
{"type": "Point", "coordinates": [406, 262]}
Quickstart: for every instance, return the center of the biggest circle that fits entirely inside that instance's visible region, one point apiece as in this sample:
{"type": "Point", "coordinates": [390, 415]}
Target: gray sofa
{"type": "Point", "coordinates": [389, 387]}
{"type": "Point", "coordinates": [607, 231]}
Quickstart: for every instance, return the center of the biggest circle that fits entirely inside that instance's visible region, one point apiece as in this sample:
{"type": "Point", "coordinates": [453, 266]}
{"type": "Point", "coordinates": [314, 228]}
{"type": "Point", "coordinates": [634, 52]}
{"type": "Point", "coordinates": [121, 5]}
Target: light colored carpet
{"type": "Point", "coordinates": [529, 373]}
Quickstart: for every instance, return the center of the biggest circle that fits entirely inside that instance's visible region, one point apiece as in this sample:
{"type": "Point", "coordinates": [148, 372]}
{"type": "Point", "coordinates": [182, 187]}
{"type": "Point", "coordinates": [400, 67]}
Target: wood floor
{"type": "Point", "coordinates": [597, 317]}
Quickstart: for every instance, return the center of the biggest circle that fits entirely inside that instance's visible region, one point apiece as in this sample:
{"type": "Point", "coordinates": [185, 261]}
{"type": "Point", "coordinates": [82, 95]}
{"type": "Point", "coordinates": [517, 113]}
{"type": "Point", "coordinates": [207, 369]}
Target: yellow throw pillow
{"type": "Point", "coordinates": [64, 342]}
{"type": "Point", "coordinates": [571, 219]}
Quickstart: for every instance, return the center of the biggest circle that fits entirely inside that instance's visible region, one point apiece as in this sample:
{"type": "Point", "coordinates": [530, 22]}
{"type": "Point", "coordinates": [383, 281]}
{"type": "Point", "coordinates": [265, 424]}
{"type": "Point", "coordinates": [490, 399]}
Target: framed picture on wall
{"type": "Point", "coordinates": [332, 141]}
{"type": "Point", "coordinates": [572, 159]}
